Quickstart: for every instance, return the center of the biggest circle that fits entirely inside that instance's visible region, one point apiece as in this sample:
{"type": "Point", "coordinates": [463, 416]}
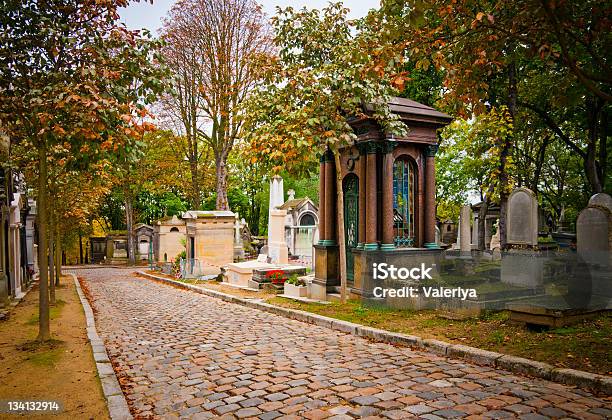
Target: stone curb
{"type": "Point", "coordinates": [115, 400]}
{"type": "Point", "coordinates": [519, 365]}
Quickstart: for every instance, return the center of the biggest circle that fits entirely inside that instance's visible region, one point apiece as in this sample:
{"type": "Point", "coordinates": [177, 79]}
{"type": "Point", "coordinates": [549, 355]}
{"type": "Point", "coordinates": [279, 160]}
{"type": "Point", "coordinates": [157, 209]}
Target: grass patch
{"type": "Point", "coordinates": [54, 312]}
{"type": "Point", "coordinates": [45, 353]}
{"type": "Point", "coordinates": [584, 346]}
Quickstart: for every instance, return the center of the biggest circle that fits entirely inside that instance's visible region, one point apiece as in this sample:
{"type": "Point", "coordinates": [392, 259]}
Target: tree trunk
{"type": "Point", "coordinates": [504, 155]}
{"type": "Point", "coordinates": [341, 241]}
{"type": "Point", "coordinates": [539, 163]}
{"type": "Point", "coordinates": [44, 333]}
{"type": "Point", "coordinates": [58, 254]}
{"type": "Point", "coordinates": [603, 147]}
{"type": "Point", "coordinates": [51, 254]}
{"type": "Point", "coordinates": [129, 221]}
{"type": "Point", "coordinates": [482, 222]}
{"type": "Point", "coordinates": [222, 201]}
{"type": "Point", "coordinates": [195, 184]}
{"type": "Point", "coordinates": [590, 162]}
{"type": "Point", "coordinates": [80, 247]}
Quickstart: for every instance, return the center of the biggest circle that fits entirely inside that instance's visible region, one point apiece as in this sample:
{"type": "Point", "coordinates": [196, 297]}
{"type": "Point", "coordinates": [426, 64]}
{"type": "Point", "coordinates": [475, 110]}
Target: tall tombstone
{"type": "Point", "coordinates": [594, 235]}
{"type": "Point", "coordinates": [277, 196]}
{"type": "Point", "coordinates": [464, 229]}
{"type": "Point", "coordinates": [522, 219]}
{"type": "Point", "coordinates": [475, 232]}
{"type": "Point", "coordinates": [277, 245]}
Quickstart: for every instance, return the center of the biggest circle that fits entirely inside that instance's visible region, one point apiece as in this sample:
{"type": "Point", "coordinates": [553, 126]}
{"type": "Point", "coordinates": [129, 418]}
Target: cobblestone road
{"type": "Point", "coordinates": [187, 355]}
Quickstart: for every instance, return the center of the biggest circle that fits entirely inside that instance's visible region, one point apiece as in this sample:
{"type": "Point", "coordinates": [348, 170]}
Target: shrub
{"type": "Point", "coordinates": [295, 280]}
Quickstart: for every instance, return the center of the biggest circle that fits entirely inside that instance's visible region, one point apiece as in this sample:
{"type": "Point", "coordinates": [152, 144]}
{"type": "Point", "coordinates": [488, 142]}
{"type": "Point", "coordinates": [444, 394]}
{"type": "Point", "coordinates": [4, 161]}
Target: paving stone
{"type": "Point", "coordinates": [449, 414]}
{"type": "Point", "coordinates": [270, 415]}
{"type": "Point", "coordinates": [251, 402]}
{"type": "Point", "coordinates": [227, 408]}
{"type": "Point", "coordinates": [247, 412]}
{"type": "Point", "coordinates": [176, 349]}
{"type": "Point", "coordinates": [419, 409]}
{"type": "Point", "coordinates": [533, 416]}
{"type": "Point", "coordinates": [498, 414]}
{"type": "Point", "coordinates": [552, 412]}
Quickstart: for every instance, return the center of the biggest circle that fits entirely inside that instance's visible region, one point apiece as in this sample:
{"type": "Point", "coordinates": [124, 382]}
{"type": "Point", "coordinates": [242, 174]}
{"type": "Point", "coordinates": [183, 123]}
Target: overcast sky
{"type": "Point", "coordinates": [147, 15]}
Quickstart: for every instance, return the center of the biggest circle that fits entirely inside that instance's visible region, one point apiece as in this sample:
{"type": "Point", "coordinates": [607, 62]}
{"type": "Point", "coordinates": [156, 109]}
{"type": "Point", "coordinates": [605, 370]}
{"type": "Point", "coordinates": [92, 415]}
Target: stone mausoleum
{"type": "Point", "coordinates": [389, 199]}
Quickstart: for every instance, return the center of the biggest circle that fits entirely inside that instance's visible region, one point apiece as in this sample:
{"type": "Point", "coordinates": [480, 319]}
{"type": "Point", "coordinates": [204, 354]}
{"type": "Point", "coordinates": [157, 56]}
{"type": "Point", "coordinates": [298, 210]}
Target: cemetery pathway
{"type": "Point", "coordinates": [182, 354]}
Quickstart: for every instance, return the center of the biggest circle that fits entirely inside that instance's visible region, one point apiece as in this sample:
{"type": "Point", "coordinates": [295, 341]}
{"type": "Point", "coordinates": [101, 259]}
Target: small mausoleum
{"type": "Point", "coordinates": [210, 236]}
{"type": "Point", "coordinates": [389, 198]}
{"type": "Point", "coordinates": [144, 238]}
{"type": "Point", "coordinates": [169, 238]}
{"type": "Point", "coordinates": [300, 225]}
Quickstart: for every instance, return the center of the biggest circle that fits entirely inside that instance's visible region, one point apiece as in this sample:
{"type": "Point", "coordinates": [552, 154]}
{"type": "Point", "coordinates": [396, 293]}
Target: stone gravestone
{"type": "Point", "coordinates": [601, 199]}
{"type": "Point", "coordinates": [238, 245]}
{"type": "Point", "coordinates": [495, 245]}
{"type": "Point", "coordinates": [464, 230]}
{"type": "Point", "coordinates": [277, 245]}
{"type": "Point", "coordinates": [522, 220]}
{"type": "Point", "coordinates": [3, 289]}
{"type": "Point", "coordinates": [277, 197]}
{"type": "Point", "coordinates": [594, 235]}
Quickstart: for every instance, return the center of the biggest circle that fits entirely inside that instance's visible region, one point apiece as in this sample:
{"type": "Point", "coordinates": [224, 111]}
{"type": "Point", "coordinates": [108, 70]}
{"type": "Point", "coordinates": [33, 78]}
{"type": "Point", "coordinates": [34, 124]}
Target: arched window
{"type": "Point", "coordinates": [404, 193]}
{"type": "Point", "coordinates": [174, 229]}
{"type": "Point", "coordinates": [307, 220]}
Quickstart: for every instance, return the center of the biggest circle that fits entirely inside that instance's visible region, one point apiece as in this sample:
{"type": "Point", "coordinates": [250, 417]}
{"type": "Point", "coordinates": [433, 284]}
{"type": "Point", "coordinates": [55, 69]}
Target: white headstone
{"type": "Point", "coordinates": [522, 220]}
{"type": "Point", "coordinates": [437, 236]}
{"type": "Point", "coordinates": [464, 229]}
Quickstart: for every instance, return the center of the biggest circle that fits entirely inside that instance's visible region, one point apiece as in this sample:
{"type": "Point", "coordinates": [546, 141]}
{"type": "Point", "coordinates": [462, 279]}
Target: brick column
{"type": "Point", "coordinates": [430, 196]}
{"type": "Point", "coordinates": [371, 241]}
{"type": "Point", "coordinates": [387, 198]}
{"type": "Point", "coordinates": [330, 196]}
{"type": "Point", "coordinates": [362, 197]}
{"type": "Point", "coordinates": [322, 210]}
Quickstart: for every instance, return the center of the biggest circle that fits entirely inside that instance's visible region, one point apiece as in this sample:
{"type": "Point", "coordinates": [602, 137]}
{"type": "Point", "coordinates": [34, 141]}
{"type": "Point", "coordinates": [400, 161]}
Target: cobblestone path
{"type": "Point", "coordinates": [191, 356]}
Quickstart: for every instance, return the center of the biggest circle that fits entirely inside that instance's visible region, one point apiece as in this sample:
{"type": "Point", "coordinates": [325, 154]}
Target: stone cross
{"type": "Point", "coordinates": [237, 230]}
{"type": "Point", "coordinates": [522, 225]}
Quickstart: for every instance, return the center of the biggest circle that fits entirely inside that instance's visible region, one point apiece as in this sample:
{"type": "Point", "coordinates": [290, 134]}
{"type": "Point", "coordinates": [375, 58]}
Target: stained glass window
{"type": "Point", "coordinates": [403, 202]}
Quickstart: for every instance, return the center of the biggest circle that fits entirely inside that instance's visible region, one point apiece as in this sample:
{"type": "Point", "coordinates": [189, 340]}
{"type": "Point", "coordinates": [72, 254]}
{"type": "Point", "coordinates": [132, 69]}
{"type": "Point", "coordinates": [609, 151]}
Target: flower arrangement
{"type": "Point", "coordinates": [276, 276]}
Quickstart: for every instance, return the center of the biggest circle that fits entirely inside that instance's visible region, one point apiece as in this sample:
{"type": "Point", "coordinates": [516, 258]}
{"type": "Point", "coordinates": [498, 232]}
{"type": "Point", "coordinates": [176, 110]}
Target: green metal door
{"type": "Point", "coordinates": [351, 221]}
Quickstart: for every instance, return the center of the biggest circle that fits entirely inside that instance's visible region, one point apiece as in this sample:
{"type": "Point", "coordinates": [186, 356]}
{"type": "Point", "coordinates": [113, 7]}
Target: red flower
{"type": "Point", "coordinates": [276, 276]}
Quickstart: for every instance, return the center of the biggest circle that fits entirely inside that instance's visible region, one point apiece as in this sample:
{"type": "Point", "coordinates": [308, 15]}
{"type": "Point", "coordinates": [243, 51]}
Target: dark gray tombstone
{"type": "Point", "coordinates": [602, 200]}
{"type": "Point", "coordinates": [594, 235]}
